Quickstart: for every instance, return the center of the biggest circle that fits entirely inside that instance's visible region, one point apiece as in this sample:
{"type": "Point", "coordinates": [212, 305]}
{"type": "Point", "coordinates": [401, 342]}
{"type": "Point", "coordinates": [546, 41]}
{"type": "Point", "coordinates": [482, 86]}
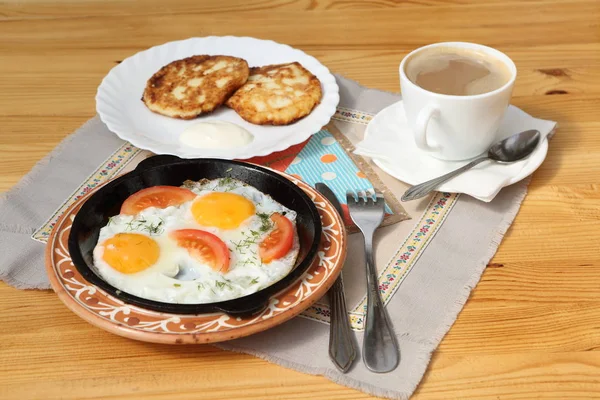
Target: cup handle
{"type": "Point", "coordinates": [421, 123]}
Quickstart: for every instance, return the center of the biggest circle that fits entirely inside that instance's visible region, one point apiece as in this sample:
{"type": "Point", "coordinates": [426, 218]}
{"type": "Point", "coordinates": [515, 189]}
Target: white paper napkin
{"type": "Point", "coordinates": [389, 142]}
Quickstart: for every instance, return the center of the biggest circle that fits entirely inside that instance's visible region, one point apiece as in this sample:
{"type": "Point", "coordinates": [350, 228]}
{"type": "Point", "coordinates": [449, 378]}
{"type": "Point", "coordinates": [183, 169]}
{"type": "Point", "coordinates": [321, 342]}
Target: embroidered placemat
{"type": "Point", "coordinates": [427, 264]}
{"type": "Point", "coordinates": [326, 157]}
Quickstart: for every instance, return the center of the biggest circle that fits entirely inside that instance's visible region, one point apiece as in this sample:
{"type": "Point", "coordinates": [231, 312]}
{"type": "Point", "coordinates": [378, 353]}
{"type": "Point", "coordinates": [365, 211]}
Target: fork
{"type": "Point", "coordinates": [380, 347]}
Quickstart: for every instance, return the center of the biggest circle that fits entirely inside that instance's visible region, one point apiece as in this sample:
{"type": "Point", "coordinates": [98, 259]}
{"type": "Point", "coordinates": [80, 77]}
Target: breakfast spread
{"type": "Point", "coordinates": [194, 85]}
{"type": "Point", "coordinates": [204, 242]}
{"type": "Point", "coordinates": [277, 94]}
{"type": "Point", "coordinates": [215, 135]}
{"type": "Point", "coordinates": [269, 95]}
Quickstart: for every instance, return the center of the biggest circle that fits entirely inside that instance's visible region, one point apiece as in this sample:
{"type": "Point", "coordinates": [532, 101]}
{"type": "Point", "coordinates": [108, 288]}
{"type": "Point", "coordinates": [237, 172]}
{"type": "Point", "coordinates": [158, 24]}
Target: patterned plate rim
{"type": "Point", "coordinates": [122, 319]}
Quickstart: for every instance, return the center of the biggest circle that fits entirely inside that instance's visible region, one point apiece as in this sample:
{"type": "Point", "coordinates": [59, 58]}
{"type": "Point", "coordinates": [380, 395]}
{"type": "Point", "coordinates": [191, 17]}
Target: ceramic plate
{"type": "Point", "coordinates": [120, 108]}
{"type": "Point", "coordinates": [109, 313]}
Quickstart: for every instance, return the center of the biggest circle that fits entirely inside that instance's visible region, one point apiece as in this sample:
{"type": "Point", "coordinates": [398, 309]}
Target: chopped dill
{"type": "Point", "coordinates": [155, 228]}
{"type": "Point", "coordinates": [265, 220]}
{"type": "Point", "coordinates": [143, 225]}
{"type": "Point", "coordinates": [222, 285]}
{"type": "Point", "coordinates": [254, 281]}
{"type": "Point", "coordinates": [201, 286]}
{"type": "Point", "coordinates": [177, 285]}
{"type": "Point", "coordinates": [229, 170]}
{"type": "Point", "coordinates": [227, 184]}
{"type": "Point", "coordinates": [249, 239]}
{"type": "Point", "coordinates": [135, 223]}
{"type": "Point", "coordinates": [250, 261]}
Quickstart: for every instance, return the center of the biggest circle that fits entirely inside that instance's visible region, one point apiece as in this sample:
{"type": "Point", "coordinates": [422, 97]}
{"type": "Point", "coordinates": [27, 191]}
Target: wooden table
{"type": "Point", "coordinates": [532, 325]}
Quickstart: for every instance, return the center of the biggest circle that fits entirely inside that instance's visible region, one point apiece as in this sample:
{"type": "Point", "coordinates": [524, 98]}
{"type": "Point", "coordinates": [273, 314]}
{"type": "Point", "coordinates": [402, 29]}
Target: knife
{"type": "Point", "coordinates": [342, 348]}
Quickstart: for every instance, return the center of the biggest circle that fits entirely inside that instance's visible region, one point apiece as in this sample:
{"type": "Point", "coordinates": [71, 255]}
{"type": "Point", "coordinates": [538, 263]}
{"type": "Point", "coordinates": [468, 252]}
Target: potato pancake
{"type": "Point", "coordinates": [277, 94]}
{"type": "Point", "coordinates": [195, 85]}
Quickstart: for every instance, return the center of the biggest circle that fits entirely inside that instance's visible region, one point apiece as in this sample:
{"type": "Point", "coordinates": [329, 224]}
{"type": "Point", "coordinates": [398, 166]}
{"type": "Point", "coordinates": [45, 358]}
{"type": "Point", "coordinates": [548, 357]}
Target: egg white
{"type": "Point", "coordinates": [196, 282]}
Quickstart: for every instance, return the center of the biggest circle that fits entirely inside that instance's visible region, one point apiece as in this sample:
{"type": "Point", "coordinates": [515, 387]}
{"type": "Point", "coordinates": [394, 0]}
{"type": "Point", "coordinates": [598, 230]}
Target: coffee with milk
{"type": "Point", "coordinates": [457, 71]}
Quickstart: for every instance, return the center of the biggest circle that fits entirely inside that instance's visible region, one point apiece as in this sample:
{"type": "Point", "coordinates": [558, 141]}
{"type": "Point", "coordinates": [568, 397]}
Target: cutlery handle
{"type": "Point", "coordinates": [342, 350]}
{"type": "Point", "coordinates": [423, 189]}
{"type": "Point", "coordinates": [380, 347]}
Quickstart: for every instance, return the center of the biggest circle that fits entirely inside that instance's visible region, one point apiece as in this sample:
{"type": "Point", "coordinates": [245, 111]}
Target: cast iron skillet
{"type": "Point", "coordinates": [171, 170]}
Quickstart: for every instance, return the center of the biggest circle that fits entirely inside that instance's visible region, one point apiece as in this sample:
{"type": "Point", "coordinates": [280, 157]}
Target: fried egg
{"type": "Point", "coordinates": [204, 250]}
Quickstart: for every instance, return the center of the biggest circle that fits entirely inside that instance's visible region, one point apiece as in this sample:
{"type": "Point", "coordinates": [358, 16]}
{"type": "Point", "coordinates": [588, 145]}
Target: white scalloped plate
{"type": "Point", "coordinates": [120, 108]}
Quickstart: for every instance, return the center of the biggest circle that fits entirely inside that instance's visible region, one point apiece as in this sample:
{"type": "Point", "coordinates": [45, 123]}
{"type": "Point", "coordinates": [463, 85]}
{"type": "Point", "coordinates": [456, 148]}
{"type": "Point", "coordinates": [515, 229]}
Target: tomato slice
{"type": "Point", "coordinates": [204, 246]}
{"type": "Point", "coordinates": [280, 240]}
{"type": "Point", "coordinates": [156, 196]}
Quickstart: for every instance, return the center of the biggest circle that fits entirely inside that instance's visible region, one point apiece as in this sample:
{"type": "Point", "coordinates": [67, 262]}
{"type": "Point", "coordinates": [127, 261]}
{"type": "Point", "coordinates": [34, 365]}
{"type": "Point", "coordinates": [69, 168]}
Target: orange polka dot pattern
{"type": "Point", "coordinates": [324, 160]}
{"type": "Point", "coordinates": [328, 158]}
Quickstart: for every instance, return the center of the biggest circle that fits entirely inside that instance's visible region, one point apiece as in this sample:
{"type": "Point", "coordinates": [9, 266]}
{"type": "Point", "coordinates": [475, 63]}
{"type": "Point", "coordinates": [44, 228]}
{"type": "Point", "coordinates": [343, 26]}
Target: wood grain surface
{"type": "Point", "coordinates": [531, 328]}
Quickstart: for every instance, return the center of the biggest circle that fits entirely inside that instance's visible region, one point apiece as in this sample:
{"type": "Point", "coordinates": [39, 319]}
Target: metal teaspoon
{"type": "Point", "coordinates": [511, 149]}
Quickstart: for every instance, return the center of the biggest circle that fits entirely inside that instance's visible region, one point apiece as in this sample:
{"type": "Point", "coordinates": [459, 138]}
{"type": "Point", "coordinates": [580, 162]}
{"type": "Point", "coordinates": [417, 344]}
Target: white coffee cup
{"type": "Point", "coordinates": [455, 127]}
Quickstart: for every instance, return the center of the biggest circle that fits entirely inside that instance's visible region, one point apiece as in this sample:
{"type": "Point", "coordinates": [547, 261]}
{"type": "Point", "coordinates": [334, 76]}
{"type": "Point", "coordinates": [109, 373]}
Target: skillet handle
{"type": "Point", "coordinates": [155, 161]}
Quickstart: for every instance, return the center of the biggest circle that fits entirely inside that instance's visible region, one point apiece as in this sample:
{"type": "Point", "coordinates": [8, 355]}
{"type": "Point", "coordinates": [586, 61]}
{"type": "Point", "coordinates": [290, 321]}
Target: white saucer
{"type": "Point", "coordinates": [389, 142]}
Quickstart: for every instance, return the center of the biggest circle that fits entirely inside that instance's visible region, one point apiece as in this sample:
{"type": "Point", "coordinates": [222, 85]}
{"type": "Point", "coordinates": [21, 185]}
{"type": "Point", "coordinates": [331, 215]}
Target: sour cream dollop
{"type": "Point", "coordinates": [215, 135]}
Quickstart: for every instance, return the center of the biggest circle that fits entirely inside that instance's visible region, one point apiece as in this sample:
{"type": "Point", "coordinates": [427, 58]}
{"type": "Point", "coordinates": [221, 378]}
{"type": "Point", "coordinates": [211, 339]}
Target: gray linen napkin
{"type": "Point", "coordinates": [29, 204]}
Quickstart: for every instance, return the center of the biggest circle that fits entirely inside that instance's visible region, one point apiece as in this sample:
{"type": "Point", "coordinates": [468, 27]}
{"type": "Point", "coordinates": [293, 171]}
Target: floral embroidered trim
{"type": "Point", "coordinates": [401, 263]}
{"type": "Point", "coordinates": [109, 168]}
{"type": "Point", "coordinates": [354, 116]}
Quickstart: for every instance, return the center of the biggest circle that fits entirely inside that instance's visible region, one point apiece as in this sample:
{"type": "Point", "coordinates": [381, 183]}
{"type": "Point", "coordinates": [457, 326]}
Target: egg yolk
{"type": "Point", "coordinates": [222, 210]}
{"type": "Point", "coordinates": [129, 253]}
